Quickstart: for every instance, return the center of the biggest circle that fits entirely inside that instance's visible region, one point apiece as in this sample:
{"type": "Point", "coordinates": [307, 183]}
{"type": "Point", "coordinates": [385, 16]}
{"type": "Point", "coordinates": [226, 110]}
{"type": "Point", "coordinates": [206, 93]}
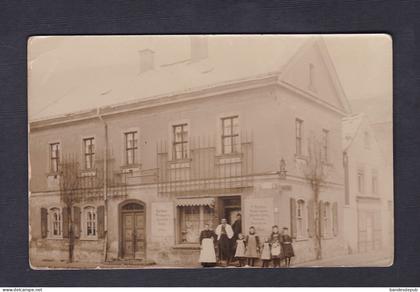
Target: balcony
{"type": "Point", "coordinates": [205, 170]}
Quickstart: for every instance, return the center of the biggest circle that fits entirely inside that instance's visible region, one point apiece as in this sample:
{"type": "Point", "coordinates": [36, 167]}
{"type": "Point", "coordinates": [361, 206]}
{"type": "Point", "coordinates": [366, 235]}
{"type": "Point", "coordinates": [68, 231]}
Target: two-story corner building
{"type": "Point", "coordinates": [201, 142]}
{"type": "Point", "coordinates": [368, 200]}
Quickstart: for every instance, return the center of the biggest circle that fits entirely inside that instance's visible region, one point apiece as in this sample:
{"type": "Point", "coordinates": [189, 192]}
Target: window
{"type": "Point", "coordinates": [327, 219]}
{"type": "Point", "coordinates": [192, 220]}
{"type": "Point", "coordinates": [89, 222]}
{"type": "Point", "coordinates": [230, 135]}
{"type": "Point", "coordinates": [299, 134]}
{"type": "Point", "coordinates": [367, 140]}
{"type": "Point", "coordinates": [54, 157]}
{"type": "Point", "coordinates": [180, 141]}
{"type": "Point", "coordinates": [361, 181]}
{"type": "Point", "coordinates": [374, 182]}
{"type": "Point", "coordinates": [131, 148]}
{"type": "Point", "coordinates": [89, 152]}
{"type": "Point", "coordinates": [325, 134]}
{"type": "Point", "coordinates": [301, 219]}
{"type": "Point", "coordinates": [55, 227]}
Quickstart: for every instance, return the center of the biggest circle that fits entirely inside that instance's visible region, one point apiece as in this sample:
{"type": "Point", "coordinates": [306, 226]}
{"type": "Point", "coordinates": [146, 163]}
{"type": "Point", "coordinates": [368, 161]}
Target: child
{"type": "Point", "coordinates": [240, 250]}
{"type": "Point", "coordinates": [252, 246]}
{"type": "Point", "coordinates": [287, 246]}
{"type": "Point", "coordinates": [266, 253]}
{"type": "Point", "coordinates": [276, 252]}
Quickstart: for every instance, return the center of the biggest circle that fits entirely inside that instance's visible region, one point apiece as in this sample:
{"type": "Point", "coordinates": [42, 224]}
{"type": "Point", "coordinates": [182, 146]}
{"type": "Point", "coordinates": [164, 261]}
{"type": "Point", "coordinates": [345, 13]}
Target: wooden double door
{"type": "Point", "coordinates": [133, 231]}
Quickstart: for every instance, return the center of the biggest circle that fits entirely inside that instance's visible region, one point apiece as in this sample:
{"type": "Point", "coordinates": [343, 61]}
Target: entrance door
{"type": "Point", "coordinates": [229, 208]}
{"type": "Point", "coordinates": [133, 231]}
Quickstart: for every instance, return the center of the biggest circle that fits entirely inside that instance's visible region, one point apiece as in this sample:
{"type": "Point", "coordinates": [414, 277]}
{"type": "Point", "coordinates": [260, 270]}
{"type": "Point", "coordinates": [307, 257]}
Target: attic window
{"type": "Point", "coordinates": [311, 77]}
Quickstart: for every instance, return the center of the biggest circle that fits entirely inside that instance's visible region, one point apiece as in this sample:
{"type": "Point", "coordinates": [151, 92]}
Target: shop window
{"type": "Point", "coordinates": [191, 221]}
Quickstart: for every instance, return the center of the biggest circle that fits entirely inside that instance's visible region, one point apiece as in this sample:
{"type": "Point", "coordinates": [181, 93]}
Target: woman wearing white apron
{"type": "Point", "coordinates": [207, 253]}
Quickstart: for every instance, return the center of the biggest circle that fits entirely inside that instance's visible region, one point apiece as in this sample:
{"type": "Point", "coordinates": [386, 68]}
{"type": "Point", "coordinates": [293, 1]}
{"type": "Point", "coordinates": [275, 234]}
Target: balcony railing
{"type": "Point", "coordinates": [205, 170]}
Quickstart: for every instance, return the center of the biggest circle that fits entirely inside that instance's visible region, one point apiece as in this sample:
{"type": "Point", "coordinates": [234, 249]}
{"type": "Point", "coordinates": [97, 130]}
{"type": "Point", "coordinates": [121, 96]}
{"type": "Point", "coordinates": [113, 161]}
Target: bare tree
{"type": "Point", "coordinates": [69, 195]}
{"type": "Point", "coordinates": [315, 170]}
{"type": "Point", "coordinates": [78, 185]}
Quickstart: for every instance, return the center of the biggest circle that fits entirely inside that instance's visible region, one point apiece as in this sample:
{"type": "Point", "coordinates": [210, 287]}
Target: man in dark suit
{"type": "Point", "coordinates": [237, 228]}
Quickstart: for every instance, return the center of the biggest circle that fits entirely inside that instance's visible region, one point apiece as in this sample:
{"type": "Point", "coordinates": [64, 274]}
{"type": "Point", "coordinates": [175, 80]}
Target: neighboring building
{"type": "Point", "coordinates": [368, 188]}
{"type": "Point", "coordinates": [205, 145]}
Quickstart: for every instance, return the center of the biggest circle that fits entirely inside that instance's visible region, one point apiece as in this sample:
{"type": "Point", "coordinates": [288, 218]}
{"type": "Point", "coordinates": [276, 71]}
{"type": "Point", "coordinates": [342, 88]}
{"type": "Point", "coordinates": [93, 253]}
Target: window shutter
{"type": "Point", "coordinates": [76, 222]}
{"type": "Point", "coordinates": [65, 221]}
{"type": "Point", "coordinates": [101, 221]}
{"type": "Point", "coordinates": [335, 219]}
{"type": "Point", "coordinates": [44, 222]}
{"type": "Point", "coordinates": [311, 218]}
{"type": "Point", "coordinates": [321, 218]}
{"type": "Point", "coordinates": [293, 230]}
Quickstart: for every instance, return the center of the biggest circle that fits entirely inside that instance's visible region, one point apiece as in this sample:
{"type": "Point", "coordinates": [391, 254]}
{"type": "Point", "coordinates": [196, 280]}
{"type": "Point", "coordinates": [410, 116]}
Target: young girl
{"type": "Point", "coordinates": [252, 246]}
{"type": "Point", "coordinates": [266, 253]}
{"type": "Point", "coordinates": [275, 240]}
{"type": "Point", "coordinates": [287, 246]}
{"type": "Point", "coordinates": [240, 250]}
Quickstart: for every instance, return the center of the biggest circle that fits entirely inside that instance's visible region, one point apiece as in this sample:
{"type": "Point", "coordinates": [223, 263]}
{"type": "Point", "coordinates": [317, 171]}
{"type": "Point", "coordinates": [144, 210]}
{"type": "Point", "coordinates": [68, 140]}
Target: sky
{"type": "Point", "coordinates": [61, 67]}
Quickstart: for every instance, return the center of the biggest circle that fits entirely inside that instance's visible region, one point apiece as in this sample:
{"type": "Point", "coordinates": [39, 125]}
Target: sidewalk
{"type": "Point", "coordinates": [373, 259]}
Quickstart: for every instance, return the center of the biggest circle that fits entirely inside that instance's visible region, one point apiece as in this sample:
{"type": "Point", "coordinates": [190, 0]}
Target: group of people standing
{"type": "Point", "coordinates": [233, 246]}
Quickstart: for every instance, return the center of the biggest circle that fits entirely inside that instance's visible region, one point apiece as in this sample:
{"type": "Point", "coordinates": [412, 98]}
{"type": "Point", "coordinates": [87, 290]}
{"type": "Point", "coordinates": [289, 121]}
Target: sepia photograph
{"type": "Point", "coordinates": [210, 151]}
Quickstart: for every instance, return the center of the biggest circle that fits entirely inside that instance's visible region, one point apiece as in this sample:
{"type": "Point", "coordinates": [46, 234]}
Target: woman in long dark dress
{"type": "Point", "coordinates": [288, 252]}
{"type": "Point", "coordinates": [207, 253]}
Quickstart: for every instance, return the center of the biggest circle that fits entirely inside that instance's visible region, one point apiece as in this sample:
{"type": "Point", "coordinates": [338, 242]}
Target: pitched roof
{"type": "Point", "coordinates": [230, 59]}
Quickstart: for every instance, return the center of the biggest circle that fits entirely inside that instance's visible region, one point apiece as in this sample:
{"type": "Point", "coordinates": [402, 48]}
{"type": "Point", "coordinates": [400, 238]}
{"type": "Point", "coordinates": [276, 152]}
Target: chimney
{"type": "Point", "coordinates": [199, 48]}
{"type": "Point", "coordinates": [147, 60]}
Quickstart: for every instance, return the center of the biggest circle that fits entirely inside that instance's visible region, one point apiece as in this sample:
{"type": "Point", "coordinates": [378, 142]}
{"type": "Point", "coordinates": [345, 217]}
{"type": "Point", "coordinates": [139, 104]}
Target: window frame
{"type": "Point", "coordinates": [299, 137]}
{"type": "Point", "coordinates": [184, 143]}
{"type": "Point", "coordinates": [201, 221]}
{"type": "Point", "coordinates": [133, 149]}
{"type": "Point", "coordinates": [50, 224]}
{"type": "Point", "coordinates": [84, 222]}
{"type": "Point", "coordinates": [302, 231]}
{"type": "Point", "coordinates": [234, 147]}
{"type": "Point", "coordinates": [90, 155]}
{"type": "Point", "coordinates": [327, 220]}
{"type": "Point", "coordinates": [54, 160]}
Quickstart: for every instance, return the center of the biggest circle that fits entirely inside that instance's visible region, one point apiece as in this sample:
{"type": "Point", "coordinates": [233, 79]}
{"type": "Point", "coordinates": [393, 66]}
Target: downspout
{"type": "Point", "coordinates": [346, 179]}
{"type": "Point", "coordinates": [105, 190]}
